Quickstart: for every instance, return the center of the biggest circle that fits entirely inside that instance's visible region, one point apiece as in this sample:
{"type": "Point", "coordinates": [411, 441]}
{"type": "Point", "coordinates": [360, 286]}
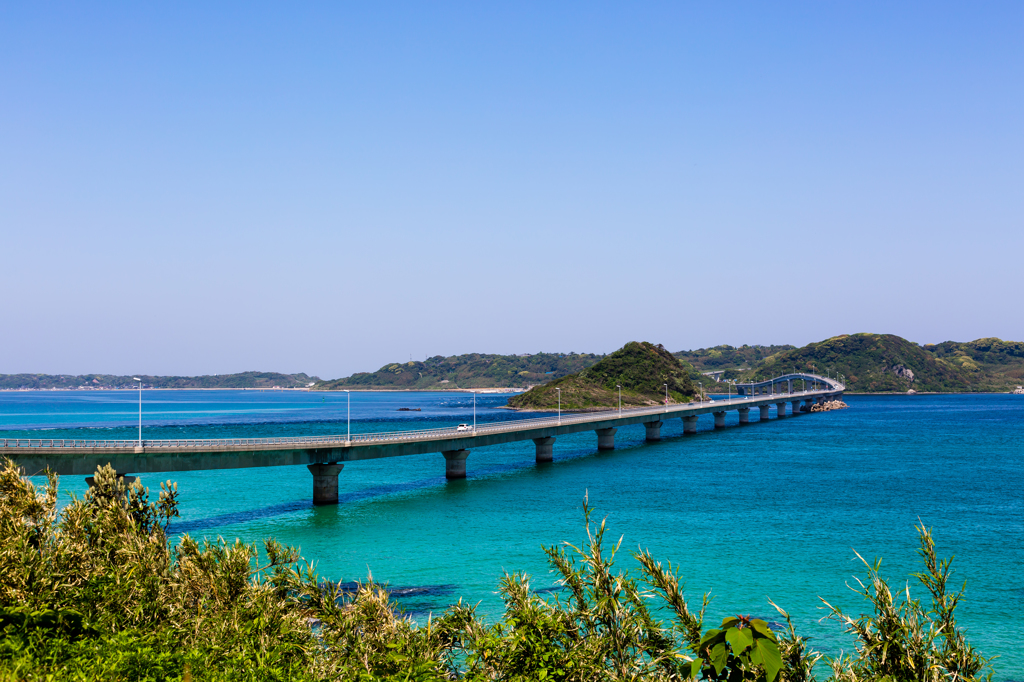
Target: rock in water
{"type": "Point", "coordinates": [829, 405]}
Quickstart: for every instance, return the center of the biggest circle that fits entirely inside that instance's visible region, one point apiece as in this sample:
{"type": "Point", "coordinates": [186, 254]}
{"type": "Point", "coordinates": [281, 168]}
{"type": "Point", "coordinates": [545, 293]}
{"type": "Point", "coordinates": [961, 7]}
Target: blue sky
{"type": "Point", "coordinates": [187, 188]}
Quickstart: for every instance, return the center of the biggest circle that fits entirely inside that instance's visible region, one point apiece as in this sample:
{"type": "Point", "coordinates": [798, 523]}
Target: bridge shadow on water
{"type": "Point", "coordinates": [372, 492]}
{"type": "Point", "coordinates": [297, 505]}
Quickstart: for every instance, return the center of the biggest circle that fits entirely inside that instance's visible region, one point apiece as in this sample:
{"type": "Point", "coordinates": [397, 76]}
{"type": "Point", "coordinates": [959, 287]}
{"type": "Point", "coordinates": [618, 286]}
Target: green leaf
{"type": "Point", "coordinates": [719, 657]}
{"type": "Point", "coordinates": [709, 635]}
{"type": "Point", "coordinates": [762, 628]}
{"type": "Point", "coordinates": [730, 623]}
{"type": "Point", "coordinates": [771, 659]}
{"type": "Point", "coordinates": [739, 640]}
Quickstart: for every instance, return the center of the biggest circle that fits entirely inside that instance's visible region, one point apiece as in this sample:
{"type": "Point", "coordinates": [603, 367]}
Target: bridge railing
{"type": "Point", "coordinates": [381, 437]}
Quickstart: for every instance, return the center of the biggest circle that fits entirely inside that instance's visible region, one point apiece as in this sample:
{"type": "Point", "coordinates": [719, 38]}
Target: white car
{"type": "Point", "coordinates": [463, 427]}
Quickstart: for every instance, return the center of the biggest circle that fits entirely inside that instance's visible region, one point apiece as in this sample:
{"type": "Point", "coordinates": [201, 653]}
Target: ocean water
{"type": "Point", "coordinates": [772, 510]}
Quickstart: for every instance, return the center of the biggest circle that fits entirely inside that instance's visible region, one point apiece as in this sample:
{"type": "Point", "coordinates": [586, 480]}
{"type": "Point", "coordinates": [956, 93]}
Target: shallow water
{"type": "Point", "coordinates": [768, 510]}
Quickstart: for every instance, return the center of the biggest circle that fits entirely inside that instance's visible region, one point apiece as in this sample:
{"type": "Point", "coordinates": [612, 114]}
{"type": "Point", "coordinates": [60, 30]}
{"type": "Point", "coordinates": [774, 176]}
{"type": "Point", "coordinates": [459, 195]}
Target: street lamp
{"type": "Point", "coordinates": [559, 405]}
{"type": "Point", "coordinates": [666, 396]}
{"type": "Point", "coordinates": [139, 410]}
{"type": "Point", "coordinates": [620, 398]}
{"type": "Point", "coordinates": [348, 398]}
{"type": "Point", "coordinates": [701, 390]}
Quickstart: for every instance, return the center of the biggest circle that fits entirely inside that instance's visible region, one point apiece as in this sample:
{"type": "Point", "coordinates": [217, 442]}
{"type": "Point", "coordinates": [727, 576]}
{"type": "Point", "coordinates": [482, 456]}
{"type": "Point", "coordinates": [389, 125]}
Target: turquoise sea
{"type": "Point", "coordinates": [771, 510]}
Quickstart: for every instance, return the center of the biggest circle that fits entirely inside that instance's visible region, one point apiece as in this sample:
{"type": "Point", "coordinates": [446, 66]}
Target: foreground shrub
{"type": "Point", "coordinates": [94, 591]}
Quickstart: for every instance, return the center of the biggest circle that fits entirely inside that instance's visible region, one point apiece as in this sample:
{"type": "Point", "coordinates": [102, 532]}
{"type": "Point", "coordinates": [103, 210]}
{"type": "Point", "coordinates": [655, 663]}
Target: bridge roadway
{"type": "Point", "coordinates": [324, 455]}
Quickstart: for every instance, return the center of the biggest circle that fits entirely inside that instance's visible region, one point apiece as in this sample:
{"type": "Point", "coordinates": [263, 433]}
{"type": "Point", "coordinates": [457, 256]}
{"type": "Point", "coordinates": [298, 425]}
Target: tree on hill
{"type": "Point", "coordinates": [870, 363]}
{"type": "Point", "coordinates": [641, 368]}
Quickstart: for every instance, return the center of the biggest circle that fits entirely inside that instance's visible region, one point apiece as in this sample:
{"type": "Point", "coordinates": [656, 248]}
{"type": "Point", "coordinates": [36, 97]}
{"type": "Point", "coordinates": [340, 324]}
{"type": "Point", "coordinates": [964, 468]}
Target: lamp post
{"type": "Point", "coordinates": [620, 398]}
{"type": "Point", "coordinates": [140, 409]}
{"type": "Point", "coordinates": [348, 419]}
{"type": "Point", "coordinates": [474, 411]}
{"type": "Point", "coordinates": [701, 390]}
{"type": "Point", "coordinates": [666, 396]}
{"type": "Point", "coordinates": [559, 405]}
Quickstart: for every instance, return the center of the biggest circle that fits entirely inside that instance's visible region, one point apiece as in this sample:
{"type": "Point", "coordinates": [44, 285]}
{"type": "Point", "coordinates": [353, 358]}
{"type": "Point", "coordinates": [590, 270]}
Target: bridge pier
{"type": "Point", "coordinates": [789, 386]}
{"type": "Point", "coordinates": [744, 415]}
{"type": "Point", "coordinates": [605, 439]}
{"type": "Point", "coordinates": [795, 406]}
{"type": "Point", "coordinates": [653, 431]}
{"type": "Point", "coordinates": [719, 420]}
{"type": "Point", "coordinates": [781, 407]}
{"type": "Point", "coordinates": [325, 482]}
{"type": "Point", "coordinates": [764, 412]}
{"type": "Point", "coordinates": [455, 463]}
{"type": "Point", "coordinates": [807, 405]}
{"type": "Point", "coordinates": [545, 450]}
{"type": "Point", "coordinates": [689, 425]}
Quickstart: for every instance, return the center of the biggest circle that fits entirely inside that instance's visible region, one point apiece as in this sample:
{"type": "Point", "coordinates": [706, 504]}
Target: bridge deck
{"type": "Point", "coordinates": [82, 457]}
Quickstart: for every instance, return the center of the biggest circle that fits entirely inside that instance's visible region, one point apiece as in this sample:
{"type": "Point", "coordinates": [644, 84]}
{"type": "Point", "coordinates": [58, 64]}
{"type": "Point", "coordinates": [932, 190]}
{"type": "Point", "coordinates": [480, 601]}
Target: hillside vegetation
{"type": "Point", "coordinates": [474, 370]}
{"type": "Point", "coordinates": [870, 363]}
{"type": "Point", "coordinates": [988, 364]}
{"type": "Point", "coordinates": [728, 358]}
{"type": "Point", "coordinates": [641, 368]}
{"type": "Point", "coordinates": [70, 381]}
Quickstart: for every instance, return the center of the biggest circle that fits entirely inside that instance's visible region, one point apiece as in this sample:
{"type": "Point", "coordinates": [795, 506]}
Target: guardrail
{"type": "Point", "coordinates": [393, 436]}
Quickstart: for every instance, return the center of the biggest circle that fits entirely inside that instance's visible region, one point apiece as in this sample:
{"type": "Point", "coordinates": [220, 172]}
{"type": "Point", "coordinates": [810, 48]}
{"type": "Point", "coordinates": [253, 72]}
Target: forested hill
{"type": "Point", "coordinates": [640, 368]}
{"type": "Point", "coordinates": [729, 357]}
{"type": "Point", "coordinates": [877, 363]}
{"type": "Point", "coordinates": [109, 381]}
{"type": "Point", "coordinates": [475, 370]}
{"type": "Point", "coordinates": [872, 363]}
{"type": "Point", "coordinates": [988, 364]}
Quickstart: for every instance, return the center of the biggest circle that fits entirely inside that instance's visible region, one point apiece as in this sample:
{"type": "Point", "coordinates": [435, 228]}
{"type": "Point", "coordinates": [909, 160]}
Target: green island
{"type": "Point", "coordinates": [870, 363]}
{"type": "Point", "coordinates": [473, 370]}
{"type": "Point", "coordinates": [92, 589]}
{"type": "Point", "coordinates": [646, 373]}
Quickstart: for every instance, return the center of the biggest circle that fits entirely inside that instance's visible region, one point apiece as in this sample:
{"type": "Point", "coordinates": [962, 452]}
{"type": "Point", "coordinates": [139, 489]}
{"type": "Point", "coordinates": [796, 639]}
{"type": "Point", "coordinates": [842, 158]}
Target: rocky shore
{"type": "Point", "coordinates": [830, 405]}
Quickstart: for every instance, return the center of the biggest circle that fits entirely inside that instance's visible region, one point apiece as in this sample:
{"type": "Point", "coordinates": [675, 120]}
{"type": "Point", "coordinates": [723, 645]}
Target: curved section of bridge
{"type": "Point", "coordinates": [325, 455]}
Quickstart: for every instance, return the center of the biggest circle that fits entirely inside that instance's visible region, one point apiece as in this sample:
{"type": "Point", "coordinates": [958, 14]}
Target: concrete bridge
{"type": "Point", "coordinates": [786, 384]}
{"type": "Point", "coordinates": [325, 455]}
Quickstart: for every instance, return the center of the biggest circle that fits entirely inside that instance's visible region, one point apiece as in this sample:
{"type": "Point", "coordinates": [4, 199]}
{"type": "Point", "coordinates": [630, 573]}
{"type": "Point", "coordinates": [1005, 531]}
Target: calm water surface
{"type": "Point", "coordinates": [769, 510]}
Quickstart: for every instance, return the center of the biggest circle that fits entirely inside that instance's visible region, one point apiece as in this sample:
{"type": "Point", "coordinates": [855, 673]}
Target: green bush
{"type": "Point", "coordinates": [94, 592]}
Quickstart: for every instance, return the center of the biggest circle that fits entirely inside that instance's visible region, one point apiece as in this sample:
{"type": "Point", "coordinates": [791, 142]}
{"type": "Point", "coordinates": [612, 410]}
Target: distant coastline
{"type": "Point", "coordinates": [377, 389]}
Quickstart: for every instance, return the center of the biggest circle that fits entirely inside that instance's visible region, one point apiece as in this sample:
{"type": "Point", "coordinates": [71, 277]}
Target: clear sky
{"type": "Point", "coordinates": [191, 188]}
